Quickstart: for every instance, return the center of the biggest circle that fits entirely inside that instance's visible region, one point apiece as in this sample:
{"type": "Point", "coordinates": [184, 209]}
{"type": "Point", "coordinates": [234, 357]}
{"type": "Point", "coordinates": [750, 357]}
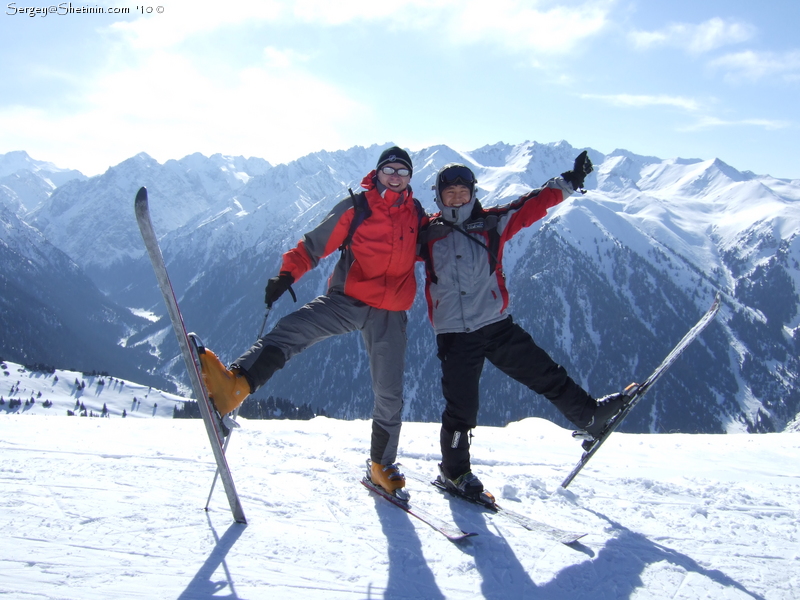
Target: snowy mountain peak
{"type": "Point", "coordinates": [19, 160]}
{"type": "Point", "coordinates": [647, 246]}
{"type": "Point", "coordinates": [140, 160]}
{"type": "Point", "coordinates": [237, 170]}
{"type": "Point", "coordinates": [25, 183]}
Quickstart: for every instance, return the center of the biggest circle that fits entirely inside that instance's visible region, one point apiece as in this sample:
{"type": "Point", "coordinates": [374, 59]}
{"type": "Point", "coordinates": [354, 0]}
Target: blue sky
{"type": "Point", "coordinates": [278, 80]}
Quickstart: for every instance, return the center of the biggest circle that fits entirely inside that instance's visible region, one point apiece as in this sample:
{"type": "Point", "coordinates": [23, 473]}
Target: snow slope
{"type": "Point", "coordinates": [113, 508]}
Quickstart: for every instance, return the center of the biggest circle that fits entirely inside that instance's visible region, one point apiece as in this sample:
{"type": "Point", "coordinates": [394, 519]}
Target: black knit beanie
{"type": "Point", "coordinates": [392, 155]}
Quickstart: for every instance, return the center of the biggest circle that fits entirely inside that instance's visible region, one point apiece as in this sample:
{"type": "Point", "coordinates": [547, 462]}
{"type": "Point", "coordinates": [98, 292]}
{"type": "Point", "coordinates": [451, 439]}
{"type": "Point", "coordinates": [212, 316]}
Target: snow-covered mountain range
{"type": "Point", "coordinates": [607, 283]}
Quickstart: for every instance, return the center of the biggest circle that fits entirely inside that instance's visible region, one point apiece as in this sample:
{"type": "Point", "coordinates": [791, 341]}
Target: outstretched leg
{"type": "Point", "coordinates": [321, 318]}
{"type": "Point", "coordinates": [513, 351]}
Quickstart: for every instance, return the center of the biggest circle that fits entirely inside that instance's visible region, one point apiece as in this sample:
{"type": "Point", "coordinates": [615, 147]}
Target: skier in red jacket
{"type": "Point", "coordinates": [371, 287]}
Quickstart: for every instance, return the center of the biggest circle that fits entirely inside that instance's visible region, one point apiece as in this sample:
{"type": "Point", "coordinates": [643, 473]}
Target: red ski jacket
{"type": "Point", "coordinates": [377, 267]}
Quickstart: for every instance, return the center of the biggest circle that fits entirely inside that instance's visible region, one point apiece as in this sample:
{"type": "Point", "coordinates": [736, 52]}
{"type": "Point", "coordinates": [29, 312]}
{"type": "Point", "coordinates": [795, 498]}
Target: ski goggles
{"type": "Point", "coordinates": [457, 175]}
{"type": "Point", "coordinates": [391, 171]}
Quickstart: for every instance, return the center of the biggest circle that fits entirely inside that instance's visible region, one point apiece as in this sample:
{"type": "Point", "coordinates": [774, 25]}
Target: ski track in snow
{"type": "Point", "coordinates": [113, 508]}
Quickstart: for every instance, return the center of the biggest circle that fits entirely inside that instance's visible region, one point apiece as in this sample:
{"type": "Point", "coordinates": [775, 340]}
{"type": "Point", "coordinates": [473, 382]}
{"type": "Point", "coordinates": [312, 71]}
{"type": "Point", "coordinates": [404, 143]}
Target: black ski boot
{"type": "Point", "coordinates": [466, 484]}
{"type": "Point", "coordinates": [607, 408]}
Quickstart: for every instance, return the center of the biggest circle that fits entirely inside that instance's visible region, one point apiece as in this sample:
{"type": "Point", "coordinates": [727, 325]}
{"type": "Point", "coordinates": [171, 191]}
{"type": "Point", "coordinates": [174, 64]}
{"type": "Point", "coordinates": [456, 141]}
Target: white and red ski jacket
{"type": "Point", "coordinates": [465, 286]}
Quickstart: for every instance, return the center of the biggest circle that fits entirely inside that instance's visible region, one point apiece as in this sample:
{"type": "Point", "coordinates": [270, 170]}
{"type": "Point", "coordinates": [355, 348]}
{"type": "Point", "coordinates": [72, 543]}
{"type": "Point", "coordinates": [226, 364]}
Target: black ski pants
{"type": "Point", "coordinates": [512, 350]}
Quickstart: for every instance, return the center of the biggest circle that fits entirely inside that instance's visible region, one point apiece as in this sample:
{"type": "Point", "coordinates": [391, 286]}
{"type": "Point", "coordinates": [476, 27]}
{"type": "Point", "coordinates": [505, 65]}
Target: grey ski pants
{"type": "Point", "coordinates": [384, 335]}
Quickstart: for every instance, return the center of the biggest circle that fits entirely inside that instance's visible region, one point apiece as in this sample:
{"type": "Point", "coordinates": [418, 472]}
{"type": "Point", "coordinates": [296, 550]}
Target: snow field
{"type": "Point", "coordinates": [99, 508]}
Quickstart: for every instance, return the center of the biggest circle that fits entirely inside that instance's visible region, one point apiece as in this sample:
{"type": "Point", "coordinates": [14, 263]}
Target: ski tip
{"type": "Point", "coordinates": [141, 195]}
{"type": "Point", "coordinates": [571, 539]}
{"type": "Point", "coordinates": [717, 302]}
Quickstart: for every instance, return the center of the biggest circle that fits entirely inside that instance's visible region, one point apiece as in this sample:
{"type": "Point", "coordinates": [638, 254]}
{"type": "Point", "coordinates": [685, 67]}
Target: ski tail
{"type": "Point", "coordinates": [489, 503]}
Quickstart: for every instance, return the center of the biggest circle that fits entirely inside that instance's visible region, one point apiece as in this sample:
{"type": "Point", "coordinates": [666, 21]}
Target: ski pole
{"type": "Point", "coordinates": [264, 322]}
{"type": "Point", "coordinates": [224, 451]}
{"type": "Point", "coordinates": [236, 413]}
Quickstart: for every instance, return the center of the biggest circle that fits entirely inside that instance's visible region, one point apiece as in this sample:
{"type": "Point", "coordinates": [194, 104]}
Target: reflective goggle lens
{"type": "Point", "coordinates": [455, 175]}
{"type": "Point", "coordinates": [392, 171]}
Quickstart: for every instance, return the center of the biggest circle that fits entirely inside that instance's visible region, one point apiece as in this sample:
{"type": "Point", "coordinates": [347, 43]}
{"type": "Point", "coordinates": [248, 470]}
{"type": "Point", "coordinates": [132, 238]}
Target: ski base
{"type": "Point", "coordinates": [189, 352]}
{"type": "Point", "coordinates": [591, 446]}
{"type": "Point", "coordinates": [554, 533]}
{"type": "Point", "coordinates": [450, 531]}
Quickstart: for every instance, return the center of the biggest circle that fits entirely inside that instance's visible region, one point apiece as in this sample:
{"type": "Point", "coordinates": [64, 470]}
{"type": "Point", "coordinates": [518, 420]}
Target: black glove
{"type": "Point", "coordinates": [582, 167]}
{"type": "Point", "coordinates": [276, 286]}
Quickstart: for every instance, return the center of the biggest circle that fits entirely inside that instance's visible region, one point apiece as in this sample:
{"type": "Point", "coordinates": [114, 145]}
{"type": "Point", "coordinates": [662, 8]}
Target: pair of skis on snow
{"type": "Point", "coordinates": [452, 532]}
{"type": "Point", "coordinates": [634, 394]}
{"type": "Point", "coordinates": [190, 349]}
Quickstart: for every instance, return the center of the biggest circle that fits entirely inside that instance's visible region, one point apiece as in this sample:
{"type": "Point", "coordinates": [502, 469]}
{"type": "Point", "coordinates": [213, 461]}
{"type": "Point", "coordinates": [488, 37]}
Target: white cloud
{"type": "Point", "coordinates": [154, 97]}
{"type": "Point", "coordinates": [713, 122]}
{"type": "Point", "coordinates": [327, 13]}
{"type": "Point", "coordinates": [752, 66]}
{"type": "Point", "coordinates": [515, 25]}
{"type": "Point", "coordinates": [283, 58]}
{"type": "Point", "coordinates": [524, 26]}
{"type": "Point", "coordinates": [642, 101]}
{"type": "Point", "coordinates": [689, 105]}
{"type": "Point", "coordinates": [541, 23]}
{"type": "Point", "coordinates": [696, 39]}
{"type": "Point", "coordinates": [182, 19]}
{"type": "Point", "coordinates": [168, 108]}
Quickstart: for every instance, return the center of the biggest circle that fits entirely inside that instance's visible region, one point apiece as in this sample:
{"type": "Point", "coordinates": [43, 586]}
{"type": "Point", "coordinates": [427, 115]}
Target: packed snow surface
{"type": "Point", "coordinates": [98, 508]}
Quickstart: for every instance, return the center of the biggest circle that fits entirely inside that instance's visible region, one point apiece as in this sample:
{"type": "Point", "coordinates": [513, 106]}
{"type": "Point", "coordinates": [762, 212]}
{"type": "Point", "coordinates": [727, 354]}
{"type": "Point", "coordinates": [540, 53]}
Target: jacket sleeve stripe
{"type": "Point", "coordinates": [320, 242]}
{"type": "Point", "coordinates": [529, 208]}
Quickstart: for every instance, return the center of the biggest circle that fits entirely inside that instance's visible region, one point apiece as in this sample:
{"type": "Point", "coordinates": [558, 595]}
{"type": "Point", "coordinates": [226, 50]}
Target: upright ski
{"type": "Point", "coordinates": [189, 352]}
{"type": "Point", "coordinates": [636, 392]}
